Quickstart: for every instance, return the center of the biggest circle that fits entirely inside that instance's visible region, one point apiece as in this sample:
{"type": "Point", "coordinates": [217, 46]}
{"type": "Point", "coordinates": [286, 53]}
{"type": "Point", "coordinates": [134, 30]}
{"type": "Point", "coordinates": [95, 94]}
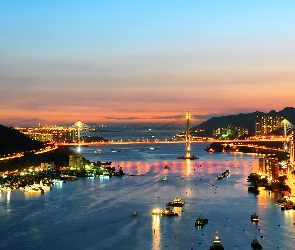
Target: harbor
{"type": "Point", "coordinates": [98, 213]}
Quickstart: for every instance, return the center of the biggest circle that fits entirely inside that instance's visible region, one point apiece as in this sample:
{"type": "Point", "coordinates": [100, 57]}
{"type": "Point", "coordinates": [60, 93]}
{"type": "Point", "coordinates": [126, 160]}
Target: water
{"type": "Point", "coordinates": [94, 213]}
{"type": "Point", "coordinates": [144, 132]}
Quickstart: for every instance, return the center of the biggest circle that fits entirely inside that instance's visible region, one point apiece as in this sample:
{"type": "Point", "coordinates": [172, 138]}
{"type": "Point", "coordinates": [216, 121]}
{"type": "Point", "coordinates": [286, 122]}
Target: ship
{"type": "Point", "coordinates": [201, 221]}
{"type": "Point", "coordinates": [216, 244]}
{"type": "Point", "coordinates": [254, 218]}
{"type": "Point", "coordinates": [178, 202]}
{"type": "Point", "coordinates": [255, 244]}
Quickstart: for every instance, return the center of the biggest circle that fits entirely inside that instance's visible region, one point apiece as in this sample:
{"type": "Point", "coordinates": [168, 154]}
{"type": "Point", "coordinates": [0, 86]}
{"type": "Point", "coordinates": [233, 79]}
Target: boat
{"type": "Point", "coordinates": [57, 181]}
{"type": "Point", "coordinates": [166, 167]}
{"type": "Point", "coordinates": [120, 172]}
{"type": "Point", "coordinates": [134, 214]}
{"type": "Point", "coordinates": [165, 178]}
{"type": "Point", "coordinates": [131, 174]}
{"type": "Point", "coordinates": [68, 177]}
{"type": "Point", "coordinates": [255, 244]}
{"type": "Point", "coordinates": [216, 244]}
{"type": "Point", "coordinates": [166, 212]}
{"type": "Point", "coordinates": [219, 177]}
{"type": "Point", "coordinates": [253, 189]}
{"type": "Point", "coordinates": [157, 211]}
{"type": "Point", "coordinates": [187, 157]}
{"type": "Point", "coordinates": [254, 218]}
{"type": "Point", "coordinates": [115, 150]}
{"type": "Point", "coordinates": [226, 173]}
{"type": "Point", "coordinates": [104, 176]}
{"type": "Point", "coordinates": [178, 202]}
{"type": "Point", "coordinates": [201, 221]}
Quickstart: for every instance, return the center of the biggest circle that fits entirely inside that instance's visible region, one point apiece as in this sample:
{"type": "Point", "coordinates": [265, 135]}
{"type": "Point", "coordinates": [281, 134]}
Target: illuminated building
{"type": "Point", "coordinates": [45, 133]}
{"type": "Point", "coordinates": [266, 124]}
{"type": "Point", "coordinates": [292, 147]}
{"type": "Point", "coordinates": [269, 166]}
{"type": "Point", "coordinates": [230, 131]}
{"type": "Point", "coordinates": [76, 162]}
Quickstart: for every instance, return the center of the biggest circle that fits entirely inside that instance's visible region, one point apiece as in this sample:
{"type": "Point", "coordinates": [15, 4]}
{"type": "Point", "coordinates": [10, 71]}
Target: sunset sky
{"type": "Point", "coordinates": [139, 61]}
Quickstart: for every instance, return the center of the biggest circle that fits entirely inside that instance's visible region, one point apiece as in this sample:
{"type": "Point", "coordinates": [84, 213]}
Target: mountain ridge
{"type": "Point", "coordinates": [243, 119]}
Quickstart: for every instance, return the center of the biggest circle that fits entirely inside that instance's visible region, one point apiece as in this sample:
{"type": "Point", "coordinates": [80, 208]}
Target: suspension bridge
{"type": "Point", "coordinates": [179, 126]}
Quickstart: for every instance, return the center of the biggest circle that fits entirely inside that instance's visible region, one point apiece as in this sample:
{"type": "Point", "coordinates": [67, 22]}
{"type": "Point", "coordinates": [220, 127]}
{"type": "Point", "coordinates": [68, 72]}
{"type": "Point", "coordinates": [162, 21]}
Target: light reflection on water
{"type": "Point", "coordinates": [156, 244]}
{"type": "Point", "coordinates": [95, 213]}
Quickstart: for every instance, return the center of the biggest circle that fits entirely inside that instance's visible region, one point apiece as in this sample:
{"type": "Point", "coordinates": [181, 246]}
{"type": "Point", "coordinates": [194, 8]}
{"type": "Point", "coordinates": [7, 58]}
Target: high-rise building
{"type": "Point", "coordinates": [292, 147]}
{"type": "Point", "coordinates": [266, 124]}
{"type": "Point", "coordinates": [76, 162]}
{"type": "Point", "coordinates": [269, 166]}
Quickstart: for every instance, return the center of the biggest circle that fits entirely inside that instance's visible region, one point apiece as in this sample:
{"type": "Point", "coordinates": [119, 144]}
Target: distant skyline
{"type": "Point", "coordinates": [143, 61]}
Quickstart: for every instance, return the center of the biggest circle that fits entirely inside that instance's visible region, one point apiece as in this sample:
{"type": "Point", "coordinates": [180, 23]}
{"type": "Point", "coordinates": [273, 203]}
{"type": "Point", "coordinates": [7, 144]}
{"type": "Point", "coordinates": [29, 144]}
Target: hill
{"type": "Point", "coordinates": [246, 120]}
{"type": "Point", "coordinates": [12, 141]}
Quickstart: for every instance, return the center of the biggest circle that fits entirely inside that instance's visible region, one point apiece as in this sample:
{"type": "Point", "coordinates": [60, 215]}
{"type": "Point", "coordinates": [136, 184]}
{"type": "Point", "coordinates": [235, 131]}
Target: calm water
{"type": "Point", "coordinates": [94, 213]}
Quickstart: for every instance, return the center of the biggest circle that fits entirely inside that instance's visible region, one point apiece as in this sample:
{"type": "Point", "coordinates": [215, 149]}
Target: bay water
{"type": "Point", "coordinates": [97, 213]}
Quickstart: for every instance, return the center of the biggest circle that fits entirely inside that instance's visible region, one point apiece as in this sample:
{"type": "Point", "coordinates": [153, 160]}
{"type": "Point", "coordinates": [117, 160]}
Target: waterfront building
{"type": "Point", "coordinates": [230, 131]}
{"type": "Point", "coordinates": [45, 133]}
{"type": "Point", "coordinates": [266, 124]}
{"type": "Point", "coordinates": [42, 137]}
{"type": "Point", "coordinates": [269, 166]}
{"type": "Point", "coordinates": [76, 162]}
{"type": "Point", "coordinates": [47, 165]}
{"type": "Point", "coordinates": [292, 147]}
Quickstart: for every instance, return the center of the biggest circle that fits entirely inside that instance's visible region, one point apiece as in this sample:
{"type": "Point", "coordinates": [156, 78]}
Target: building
{"type": "Point", "coordinates": [45, 133]}
{"type": "Point", "coordinates": [266, 124]}
{"type": "Point", "coordinates": [76, 162]}
{"type": "Point", "coordinates": [269, 166]}
{"type": "Point", "coordinates": [230, 131]}
{"type": "Point", "coordinates": [292, 147]}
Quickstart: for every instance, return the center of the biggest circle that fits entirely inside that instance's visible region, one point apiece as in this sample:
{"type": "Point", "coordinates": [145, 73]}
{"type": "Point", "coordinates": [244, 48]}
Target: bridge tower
{"type": "Point", "coordinates": [79, 126]}
{"type": "Point", "coordinates": [188, 155]}
{"type": "Point", "coordinates": [286, 138]}
{"type": "Point", "coordinates": [188, 137]}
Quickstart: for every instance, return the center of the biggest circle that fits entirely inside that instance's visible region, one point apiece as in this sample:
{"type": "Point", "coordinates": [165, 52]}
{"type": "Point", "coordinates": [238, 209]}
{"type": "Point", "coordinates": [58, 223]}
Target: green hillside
{"type": "Point", "coordinates": [246, 120]}
{"type": "Point", "coordinates": [12, 141]}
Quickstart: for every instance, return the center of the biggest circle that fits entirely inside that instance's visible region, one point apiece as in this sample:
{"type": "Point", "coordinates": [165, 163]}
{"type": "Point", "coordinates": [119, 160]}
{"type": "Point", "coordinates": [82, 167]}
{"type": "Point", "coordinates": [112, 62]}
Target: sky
{"type": "Point", "coordinates": [143, 61]}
